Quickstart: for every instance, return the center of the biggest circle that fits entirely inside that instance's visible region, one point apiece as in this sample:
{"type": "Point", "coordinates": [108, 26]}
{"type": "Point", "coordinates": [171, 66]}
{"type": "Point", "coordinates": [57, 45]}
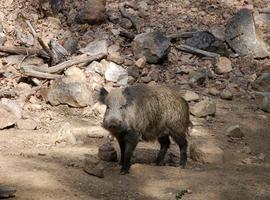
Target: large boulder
{"type": "Point", "coordinates": [154, 46]}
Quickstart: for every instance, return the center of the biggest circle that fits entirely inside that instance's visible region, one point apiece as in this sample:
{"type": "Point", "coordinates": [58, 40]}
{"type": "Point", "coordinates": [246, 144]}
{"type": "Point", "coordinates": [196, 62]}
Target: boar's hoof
{"type": "Point", "coordinates": [124, 171]}
{"type": "Point", "coordinates": [183, 164]}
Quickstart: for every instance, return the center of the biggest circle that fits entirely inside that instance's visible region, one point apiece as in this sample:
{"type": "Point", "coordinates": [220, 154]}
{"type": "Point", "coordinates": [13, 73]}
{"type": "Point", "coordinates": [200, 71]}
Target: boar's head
{"type": "Point", "coordinates": [117, 102]}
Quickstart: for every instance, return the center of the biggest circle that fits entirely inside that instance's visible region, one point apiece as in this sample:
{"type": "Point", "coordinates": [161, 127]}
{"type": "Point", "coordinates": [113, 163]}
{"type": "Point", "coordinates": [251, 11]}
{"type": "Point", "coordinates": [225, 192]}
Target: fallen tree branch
{"type": "Point", "coordinates": [23, 51]}
{"type": "Point", "coordinates": [134, 19]}
{"type": "Point", "coordinates": [31, 71]}
{"type": "Point", "coordinates": [194, 50]}
{"type": "Point", "coordinates": [175, 36]}
{"type": "Point", "coordinates": [47, 49]}
{"type": "Point", "coordinates": [75, 61]}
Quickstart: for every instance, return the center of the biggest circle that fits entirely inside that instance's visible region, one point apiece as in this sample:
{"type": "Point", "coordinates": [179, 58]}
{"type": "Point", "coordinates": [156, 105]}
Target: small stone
{"type": "Point", "coordinates": [146, 79]}
{"type": "Point", "coordinates": [95, 48]}
{"type": "Point", "coordinates": [224, 65]}
{"type": "Point", "coordinates": [93, 12]}
{"type": "Point", "coordinates": [107, 153]}
{"type": "Point", "coordinates": [75, 74]}
{"type": "Point", "coordinates": [247, 161]}
{"type": "Point", "coordinates": [133, 71]}
{"type": "Point", "coordinates": [128, 62]}
{"type": "Point", "coordinates": [7, 118]}
{"type": "Point", "coordinates": [235, 132]}
{"type": "Point", "coordinates": [71, 45]}
{"type": "Point", "coordinates": [154, 74]}
{"type": "Point", "coordinates": [203, 108]}
{"type": "Point", "coordinates": [26, 124]}
{"type": "Point", "coordinates": [206, 152]}
{"type": "Point", "coordinates": [226, 94]}
{"type": "Point", "coordinates": [262, 156]}
{"type": "Point", "coordinates": [131, 80]}
{"type": "Point", "coordinates": [214, 91]}
{"type": "Point", "coordinates": [93, 166]}
{"type": "Point", "coordinates": [140, 63]}
{"type": "Point", "coordinates": [95, 67]}
{"type": "Point", "coordinates": [246, 150]}
{"type": "Point", "coordinates": [13, 106]}
{"type": "Point", "coordinates": [126, 23]}
{"type": "Point", "coordinates": [154, 46]}
{"type": "Point", "coordinates": [197, 78]}
{"type": "Point", "coordinates": [116, 58]}
{"type": "Point", "coordinates": [262, 83]}
{"type": "Point", "coordinates": [262, 100]}
{"type": "Point", "coordinates": [65, 135]}
{"type": "Point", "coordinates": [191, 96]}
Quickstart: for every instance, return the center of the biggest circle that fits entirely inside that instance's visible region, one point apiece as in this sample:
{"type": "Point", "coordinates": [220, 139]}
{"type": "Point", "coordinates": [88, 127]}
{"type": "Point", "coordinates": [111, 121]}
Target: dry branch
{"type": "Point", "coordinates": [175, 36]}
{"type": "Point", "coordinates": [23, 51]}
{"type": "Point", "coordinates": [75, 61]}
{"type": "Point", "coordinates": [31, 71]}
{"type": "Point", "coordinates": [194, 50]}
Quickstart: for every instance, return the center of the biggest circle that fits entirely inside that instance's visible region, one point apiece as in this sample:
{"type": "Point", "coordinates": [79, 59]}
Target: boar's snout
{"type": "Point", "coordinates": [111, 124]}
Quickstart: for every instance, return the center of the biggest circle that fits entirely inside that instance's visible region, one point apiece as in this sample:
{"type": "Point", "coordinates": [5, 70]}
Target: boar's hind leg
{"type": "Point", "coordinates": [164, 142]}
{"type": "Point", "coordinates": [182, 143]}
{"type": "Point", "coordinates": [131, 140]}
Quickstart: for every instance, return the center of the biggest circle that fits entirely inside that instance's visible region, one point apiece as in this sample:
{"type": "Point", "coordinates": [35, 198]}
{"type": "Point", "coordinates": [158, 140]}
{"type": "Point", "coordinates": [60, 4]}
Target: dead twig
{"type": "Point", "coordinates": [175, 36]}
{"type": "Point", "coordinates": [23, 51]}
{"type": "Point", "coordinates": [47, 49]}
{"type": "Point", "coordinates": [134, 19]}
{"type": "Point", "coordinates": [194, 50]}
{"type": "Point", "coordinates": [31, 71]}
{"type": "Point", "coordinates": [75, 61]}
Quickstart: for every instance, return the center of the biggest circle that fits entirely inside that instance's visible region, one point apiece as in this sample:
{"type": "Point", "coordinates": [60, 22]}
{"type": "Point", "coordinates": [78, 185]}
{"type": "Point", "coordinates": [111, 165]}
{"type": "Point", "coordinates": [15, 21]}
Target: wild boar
{"type": "Point", "coordinates": [147, 112]}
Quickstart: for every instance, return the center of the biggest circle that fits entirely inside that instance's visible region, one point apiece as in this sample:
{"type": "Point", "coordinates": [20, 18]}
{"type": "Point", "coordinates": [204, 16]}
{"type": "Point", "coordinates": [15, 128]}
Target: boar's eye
{"type": "Point", "coordinates": [123, 107]}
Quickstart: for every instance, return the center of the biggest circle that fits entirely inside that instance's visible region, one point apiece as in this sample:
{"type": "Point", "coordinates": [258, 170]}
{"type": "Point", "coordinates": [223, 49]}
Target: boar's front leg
{"type": "Point", "coordinates": [131, 140]}
{"type": "Point", "coordinates": [122, 146]}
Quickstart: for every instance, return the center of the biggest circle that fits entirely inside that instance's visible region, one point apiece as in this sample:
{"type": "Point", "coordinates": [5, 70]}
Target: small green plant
{"type": "Point", "coordinates": [180, 194]}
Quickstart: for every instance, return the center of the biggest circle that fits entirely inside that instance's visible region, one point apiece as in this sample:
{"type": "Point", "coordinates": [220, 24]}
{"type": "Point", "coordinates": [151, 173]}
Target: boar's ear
{"type": "Point", "coordinates": [102, 95]}
{"type": "Point", "coordinates": [128, 95]}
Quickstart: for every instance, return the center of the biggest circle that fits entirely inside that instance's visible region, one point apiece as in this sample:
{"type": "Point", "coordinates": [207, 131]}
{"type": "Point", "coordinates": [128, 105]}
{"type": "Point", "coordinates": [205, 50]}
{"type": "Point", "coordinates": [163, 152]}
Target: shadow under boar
{"type": "Point", "coordinates": [149, 112]}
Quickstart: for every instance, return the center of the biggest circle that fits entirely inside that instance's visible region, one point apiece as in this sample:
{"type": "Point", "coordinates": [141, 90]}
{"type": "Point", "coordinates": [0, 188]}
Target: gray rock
{"type": "Point", "coordinates": [7, 192]}
{"type": "Point", "coordinates": [235, 132]}
{"type": "Point", "coordinates": [115, 73]}
{"type": "Point", "coordinates": [226, 94]}
{"type": "Point", "coordinates": [218, 32]}
{"type": "Point", "coordinates": [262, 83]}
{"type": "Point", "coordinates": [7, 118]}
{"type": "Point", "coordinates": [71, 90]}
{"type": "Point", "coordinates": [214, 91]}
{"type": "Point", "coordinates": [154, 46]}
{"type": "Point", "coordinates": [26, 124]}
{"type": "Point", "coordinates": [133, 71]}
{"type": "Point", "coordinates": [241, 35]}
{"type": "Point", "coordinates": [71, 45]}
{"type": "Point", "coordinates": [204, 108]}
{"type": "Point", "coordinates": [107, 152]}
{"type": "Point", "coordinates": [206, 41]}
{"type": "Point", "coordinates": [93, 166]}
{"type": "Point", "coordinates": [197, 78]}
{"type": "Point", "coordinates": [93, 12]}
{"type": "Point", "coordinates": [125, 23]}
{"type": "Point", "coordinates": [224, 65]}
{"type": "Point", "coordinates": [191, 96]}
{"type": "Point", "coordinates": [96, 47]}
{"type": "Point", "coordinates": [262, 100]}
{"type": "Point", "coordinates": [206, 151]}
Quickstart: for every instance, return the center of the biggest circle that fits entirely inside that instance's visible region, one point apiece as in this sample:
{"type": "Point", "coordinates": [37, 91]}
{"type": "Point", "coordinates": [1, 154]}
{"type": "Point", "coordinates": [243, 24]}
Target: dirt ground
{"type": "Point", "coordinates": [40, 169]}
